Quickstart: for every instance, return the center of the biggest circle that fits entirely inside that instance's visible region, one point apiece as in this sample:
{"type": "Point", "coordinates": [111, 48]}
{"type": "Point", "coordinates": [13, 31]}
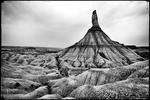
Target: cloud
{"type": "Point", "coordinates": [62, 23]}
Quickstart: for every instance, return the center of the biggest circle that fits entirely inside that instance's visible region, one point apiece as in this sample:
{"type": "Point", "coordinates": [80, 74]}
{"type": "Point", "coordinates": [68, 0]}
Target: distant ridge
{"type": "Point", "coordinates": [28, 47]}
{"type": "Point", "coordinates": [23, 49]}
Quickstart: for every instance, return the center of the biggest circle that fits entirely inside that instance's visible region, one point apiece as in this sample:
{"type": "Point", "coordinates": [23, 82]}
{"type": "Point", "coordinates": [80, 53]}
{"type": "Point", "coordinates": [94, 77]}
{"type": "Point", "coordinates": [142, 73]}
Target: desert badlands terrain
{"type": "Point", "coordinates": [96, 67]}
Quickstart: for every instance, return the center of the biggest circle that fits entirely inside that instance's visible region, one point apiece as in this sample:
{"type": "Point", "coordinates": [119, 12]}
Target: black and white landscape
{"type": "Point", "coordinates": [94, 67]}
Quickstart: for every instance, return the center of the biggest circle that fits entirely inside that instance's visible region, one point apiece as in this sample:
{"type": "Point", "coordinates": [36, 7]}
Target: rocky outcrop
{"type": "Point", "coordinates": [96, 49]}
{"type": "Point", "coordinates": [95, 19]}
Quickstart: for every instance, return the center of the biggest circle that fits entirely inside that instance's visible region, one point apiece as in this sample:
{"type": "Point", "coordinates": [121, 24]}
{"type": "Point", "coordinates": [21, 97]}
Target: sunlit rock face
{"type": "Point", "coordinates": [96, 49]}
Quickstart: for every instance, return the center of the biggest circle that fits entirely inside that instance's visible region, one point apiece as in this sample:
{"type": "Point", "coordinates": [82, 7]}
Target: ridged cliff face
{"type": "Point", "coordinates": [96, 49]}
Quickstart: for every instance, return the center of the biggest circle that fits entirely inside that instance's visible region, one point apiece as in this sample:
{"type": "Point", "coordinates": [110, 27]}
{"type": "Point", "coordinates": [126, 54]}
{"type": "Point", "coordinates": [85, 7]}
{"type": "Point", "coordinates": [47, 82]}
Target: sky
{"type": "Point", "coordinates": [63, 23]}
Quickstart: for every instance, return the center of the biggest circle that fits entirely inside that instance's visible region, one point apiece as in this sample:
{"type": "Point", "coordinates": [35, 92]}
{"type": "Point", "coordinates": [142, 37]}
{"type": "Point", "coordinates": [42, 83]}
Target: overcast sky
{"type": "Point", "coordinates": [63, 23]}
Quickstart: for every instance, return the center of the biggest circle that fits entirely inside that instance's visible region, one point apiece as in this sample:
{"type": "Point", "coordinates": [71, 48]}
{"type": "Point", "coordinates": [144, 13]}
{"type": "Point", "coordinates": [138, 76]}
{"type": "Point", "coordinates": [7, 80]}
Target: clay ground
{"type": "Point", "coordinates": [31, 73]}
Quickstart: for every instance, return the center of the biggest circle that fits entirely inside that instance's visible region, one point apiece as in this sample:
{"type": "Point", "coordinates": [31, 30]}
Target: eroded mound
{"type": "Point", "coordinates": [19, 83]}
{"type": "Point", "coordinates": [109, 75]}
{"type": "Point", "coordinates": [97, 77]}
{"type": "Point", "coordinates": [140, 73]}
{"type": "Point", "coordinates": [119, 90]}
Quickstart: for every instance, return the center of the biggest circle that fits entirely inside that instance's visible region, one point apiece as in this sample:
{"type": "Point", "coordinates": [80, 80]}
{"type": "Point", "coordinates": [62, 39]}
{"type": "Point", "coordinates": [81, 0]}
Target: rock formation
{"type": "Point", "coordinates": [96, 49]}
{"type": "Point", "coordinates": [119, 90]}
{"type": "Point", "coordinates": [120, 79]}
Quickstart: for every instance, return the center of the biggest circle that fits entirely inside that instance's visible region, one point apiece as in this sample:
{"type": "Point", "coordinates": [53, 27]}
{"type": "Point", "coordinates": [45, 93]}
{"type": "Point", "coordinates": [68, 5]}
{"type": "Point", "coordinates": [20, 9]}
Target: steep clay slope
{"type": "Point", "coordinates": [96, 49]}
